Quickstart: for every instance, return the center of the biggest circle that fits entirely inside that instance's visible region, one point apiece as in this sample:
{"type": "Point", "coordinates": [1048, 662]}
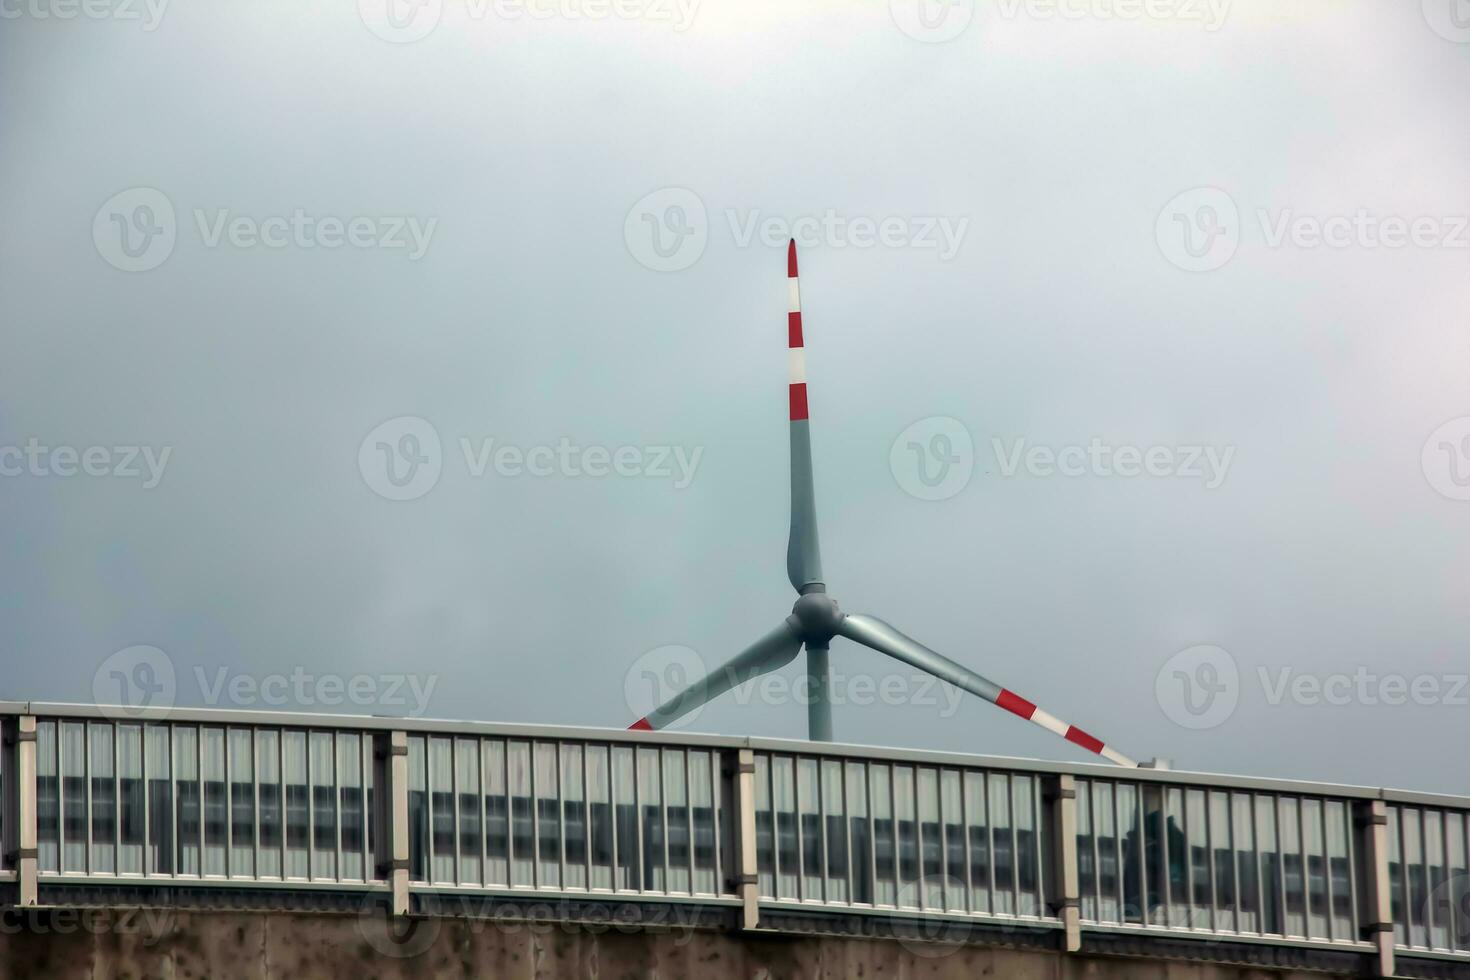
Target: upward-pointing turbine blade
{"type": "Point", "coordinates": [771, 652]}
{"type": "Point", "coordinates": [873, 632]}
{"type": "Point", "coordinates": [803, 554]}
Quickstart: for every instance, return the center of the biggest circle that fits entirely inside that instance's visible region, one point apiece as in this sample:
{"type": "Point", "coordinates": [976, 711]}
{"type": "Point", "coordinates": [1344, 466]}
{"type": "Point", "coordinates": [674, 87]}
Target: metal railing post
{"type": "Point", "coordinates": [23, 785]}
{"type": "Point", "coordinates": [397, 814]}
{"type": "Point", "coordinates": [1376, 891]}
{"type": "Point", "coordinates": [746, 880]}
{"type": "Point", "coordinates": [1063, 887]}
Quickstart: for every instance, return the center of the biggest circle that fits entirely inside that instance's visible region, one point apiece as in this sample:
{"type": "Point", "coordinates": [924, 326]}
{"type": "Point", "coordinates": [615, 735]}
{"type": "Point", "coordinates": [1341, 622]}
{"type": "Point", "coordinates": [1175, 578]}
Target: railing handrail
{"type": "Point", "coordinates": [934, 757]}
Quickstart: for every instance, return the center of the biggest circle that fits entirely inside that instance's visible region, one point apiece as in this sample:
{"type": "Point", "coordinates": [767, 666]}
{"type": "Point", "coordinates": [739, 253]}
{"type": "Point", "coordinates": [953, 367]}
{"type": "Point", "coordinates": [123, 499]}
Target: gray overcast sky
{"type": "Point", "coordinates": [1131, 203]}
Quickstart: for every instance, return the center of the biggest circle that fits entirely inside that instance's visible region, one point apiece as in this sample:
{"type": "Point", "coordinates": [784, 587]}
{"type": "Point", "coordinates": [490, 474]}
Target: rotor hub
{"type": "Point", "coordinates": [817, 617]}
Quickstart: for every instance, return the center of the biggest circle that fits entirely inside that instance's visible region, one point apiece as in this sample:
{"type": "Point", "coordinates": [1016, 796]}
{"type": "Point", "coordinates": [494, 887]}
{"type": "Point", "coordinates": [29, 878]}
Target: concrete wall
{"type": "Point", "coordinates": [194, 945]}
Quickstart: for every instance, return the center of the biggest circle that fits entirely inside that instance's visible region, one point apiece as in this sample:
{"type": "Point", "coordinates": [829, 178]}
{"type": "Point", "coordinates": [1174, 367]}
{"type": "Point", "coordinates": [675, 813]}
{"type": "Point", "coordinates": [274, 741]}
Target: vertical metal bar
{"type": "Point", "coordinates": [965, 841]}
{"type": "Point", "coordinates": [310, 811]}
{"type": "Point", "coordinates": [281, 788]}
{"type": "Point", "coordinates": [364, 765]}
{"type": "Point", "coordinates": [559, 796]}
{"type": "Point", "coordinates": [483, 745]}
{"type": "Point", "coordinates": [147, 796]}
{"type": "Point", "coordinates": [897, 835]}
{"type": "Point", "coordinates": [796, 813]}
{"type": "Point", "coordinates": [1371, 821]}
{"type": "Point", "coordinates": [255, 861]}
{"type": "Point", "coordinates": [117, 808]}
{"type": "Point", "coordinates": [87, 795]}
{"type": "Point", "coordinates": [1119, 872]}
{"type": "Point", "coordinates": [688, 813]}
{"type": "Point", "coordinates": [1256, 864]}
{"type": "Point", "coordinates": [1141, 812]}
{"type": "Point", "coordinates": [454, 804]}
{"type": "Point", "coordinates": [923, 891]}
{"type": "Point", "coordinates": [1230, 842]}
{"type": "Point", "coordinates": [173, 805]}
{"type": "Point", "coordinates": [745, 843]}
{"type": "Point", "coordinates": [25, 790]}
{"type": "Point", "coordinates": [822, 863]}
{"type": "Point", "coordinates": [613, 797]}
{"type": "Point", "coordinates": [336, 804]}
{"type": "Point", "coordinates": [1281, 866]}
{"type": "Point", "coordinates": [1010, 798]}
{"type": "Point", "coordinates": [1209, 816]}
{"type": "Point", "coordinates": [1327, 867]}
{"type": "Point", "coordinates": [1067, 886]}
{"type": "Point", "coordinates": [775, 825]}
{"type": "Point", "coordinates": [586, 815]}
{"type": "Point", "coordinates": [1037, 827]}
{"type": "Point", "coordinates": [663, 823]}
{"type": "Point", "coordinates": [396, 809]}
{"type": "Point", "coordinates": [1305, 858]}
{"type": "Point", "coordinates": [229, 804]}
{"type": "Point", "coordinates": [199, 792]}
{"type": "Point", "coordinates": [1093, 823]}
{"type": "Point", "coordinates": [535, 817]}
{"type": "Point", "coordinates": [847, 833]}
{"type": "Point", "coordinates": [872, 829]}
{"type": "Point", "coordinates": [1354, 860]}
{"type": "Point", "coordinates": [989, 842]}
{"type": "Point", "coordinates": [716, 819]}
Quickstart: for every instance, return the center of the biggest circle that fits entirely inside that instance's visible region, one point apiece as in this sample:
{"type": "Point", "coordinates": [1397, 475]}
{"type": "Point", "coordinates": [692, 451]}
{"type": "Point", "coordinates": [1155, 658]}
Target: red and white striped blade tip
{"type": "Point", "coordinates": [1018, 705]}
{"type": "Point", "coordinates": [791, 259]}
{"type": "Point", "coordinates": [641, 725]}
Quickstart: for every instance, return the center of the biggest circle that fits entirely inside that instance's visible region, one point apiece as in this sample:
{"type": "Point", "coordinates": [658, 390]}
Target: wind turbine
{"type": "Point", "coordinates": [816, 619]}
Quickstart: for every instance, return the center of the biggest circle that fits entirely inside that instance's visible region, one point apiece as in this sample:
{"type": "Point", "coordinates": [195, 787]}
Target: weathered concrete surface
{"type": "Point", "coordinates": [193, 945]}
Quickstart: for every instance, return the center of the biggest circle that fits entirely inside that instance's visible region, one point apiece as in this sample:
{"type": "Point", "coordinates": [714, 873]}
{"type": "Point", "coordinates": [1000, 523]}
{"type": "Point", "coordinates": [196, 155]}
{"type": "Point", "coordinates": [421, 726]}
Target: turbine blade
{"type": "Point", "coordinates": [874, 633]}
{"type": "Point", "coordinates": [803, 553]}
{"type": "Point", "coordinates": [771, 652]}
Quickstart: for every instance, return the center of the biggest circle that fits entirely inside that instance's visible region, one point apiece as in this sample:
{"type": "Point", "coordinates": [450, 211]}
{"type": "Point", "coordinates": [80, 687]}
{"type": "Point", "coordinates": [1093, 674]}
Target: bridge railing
{"type": "Point", "coordinates": [413, 808]}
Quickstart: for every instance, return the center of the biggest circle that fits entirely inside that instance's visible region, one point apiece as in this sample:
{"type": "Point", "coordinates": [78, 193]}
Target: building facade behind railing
{"type": "Point", "coordinates": [772, 832]}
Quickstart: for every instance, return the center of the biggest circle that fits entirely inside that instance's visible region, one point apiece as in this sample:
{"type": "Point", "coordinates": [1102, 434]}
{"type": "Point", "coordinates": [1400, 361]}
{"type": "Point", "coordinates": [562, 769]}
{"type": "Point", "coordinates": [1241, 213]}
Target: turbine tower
{"type": "Point", "coordinates": [816, 619]}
